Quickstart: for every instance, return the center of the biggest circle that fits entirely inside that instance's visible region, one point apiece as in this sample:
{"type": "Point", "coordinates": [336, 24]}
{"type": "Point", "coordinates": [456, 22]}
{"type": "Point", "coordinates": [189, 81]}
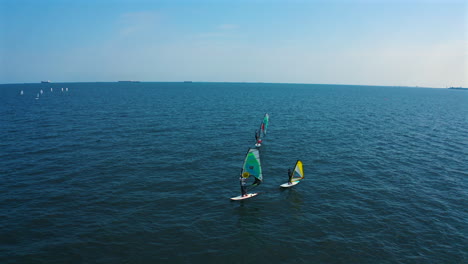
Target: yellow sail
{"type": "Point", "coordinates": [298, 172]}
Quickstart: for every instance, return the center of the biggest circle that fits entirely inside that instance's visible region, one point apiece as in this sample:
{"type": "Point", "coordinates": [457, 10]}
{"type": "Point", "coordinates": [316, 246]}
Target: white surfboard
{"type": "Point", "coordinates": [287, 185]}
{"type": "Point", "coordinates": [240, 197]}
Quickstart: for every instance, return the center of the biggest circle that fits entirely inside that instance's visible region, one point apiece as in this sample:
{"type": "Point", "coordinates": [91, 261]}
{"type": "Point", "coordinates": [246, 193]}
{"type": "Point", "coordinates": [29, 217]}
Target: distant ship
{"type": "Point", "coordinates": [187, 81]}
{"type": "Point", "coordinates": [129, 81]}
{"type": "Point", "coordinates": [458, 88]}
{"type": "Point", "coordinates": [45, 81]}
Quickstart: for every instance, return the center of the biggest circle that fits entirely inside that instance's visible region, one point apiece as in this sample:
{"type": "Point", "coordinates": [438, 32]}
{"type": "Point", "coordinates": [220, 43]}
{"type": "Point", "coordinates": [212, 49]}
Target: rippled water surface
{"type": "Point", "coordinates": [143, 173]}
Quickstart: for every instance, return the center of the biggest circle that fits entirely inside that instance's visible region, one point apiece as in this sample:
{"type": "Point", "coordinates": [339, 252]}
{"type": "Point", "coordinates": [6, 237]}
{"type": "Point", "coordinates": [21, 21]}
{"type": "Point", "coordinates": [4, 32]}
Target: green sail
{"type": "Point", "coordinates": [252, 164]}
{"type": "Point", "coordinates": [264, 125]}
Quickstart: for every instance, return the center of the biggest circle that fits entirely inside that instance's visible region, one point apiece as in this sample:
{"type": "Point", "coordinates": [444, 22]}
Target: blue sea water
{"type": "Point", "coordinates": [143, 173]}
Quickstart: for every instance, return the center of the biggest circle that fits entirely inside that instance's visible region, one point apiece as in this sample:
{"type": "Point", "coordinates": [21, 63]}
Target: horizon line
{"type": "Point", "coordinates": [251, 82]}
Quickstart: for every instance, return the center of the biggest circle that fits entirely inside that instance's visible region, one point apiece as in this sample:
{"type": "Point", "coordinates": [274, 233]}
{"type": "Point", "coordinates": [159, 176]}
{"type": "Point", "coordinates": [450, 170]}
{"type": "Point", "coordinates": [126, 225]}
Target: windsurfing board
{"type": "Point", "coordinates": [240, 197]}
{"type": "Point", "coordinates": [287, 185]}
{"type": "Point", "coordinates": [258, 145]}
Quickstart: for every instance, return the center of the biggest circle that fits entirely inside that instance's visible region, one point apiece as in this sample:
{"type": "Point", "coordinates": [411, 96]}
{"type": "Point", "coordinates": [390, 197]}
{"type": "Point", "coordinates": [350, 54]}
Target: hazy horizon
{"type": "Point", "coordinates": [349, 42]}
{"type": "Point", "coordinates": [234, 82]}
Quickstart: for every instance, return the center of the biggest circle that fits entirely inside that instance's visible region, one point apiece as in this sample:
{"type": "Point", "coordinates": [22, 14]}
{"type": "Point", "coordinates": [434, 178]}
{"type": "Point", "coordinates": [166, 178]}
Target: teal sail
{"type": "Point", "coordinates": [264, 125]}
{"type": "Point", "coordinates": [252, 166]}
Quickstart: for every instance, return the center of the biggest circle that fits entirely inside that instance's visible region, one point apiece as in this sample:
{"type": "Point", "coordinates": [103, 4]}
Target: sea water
{"type": "Point", "coordinates": [143, 173]}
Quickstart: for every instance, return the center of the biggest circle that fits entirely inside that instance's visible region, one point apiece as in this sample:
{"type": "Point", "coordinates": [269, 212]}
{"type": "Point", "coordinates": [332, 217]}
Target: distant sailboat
{"type": "Point", "coordinates": [51, 89]}
{"type": "Point", "coordinates": [37, 96]}
{"type": "Point", "coordinates": [21, 93]}
{"type": "Point", "coordinates": [62, 89]}
{"type": "Point", "coordinates": [66, 89]}
{"type": "Point", "coordinates": [42, 91]}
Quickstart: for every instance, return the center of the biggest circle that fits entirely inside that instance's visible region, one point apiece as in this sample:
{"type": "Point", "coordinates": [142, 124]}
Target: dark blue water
{"type": "Point", "coordinates": [143, 173]}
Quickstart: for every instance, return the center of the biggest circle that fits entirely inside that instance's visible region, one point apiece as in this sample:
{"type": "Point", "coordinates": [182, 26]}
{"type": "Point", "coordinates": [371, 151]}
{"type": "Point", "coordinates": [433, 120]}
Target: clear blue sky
{"type": "Point", "coordinates": [380, 42]}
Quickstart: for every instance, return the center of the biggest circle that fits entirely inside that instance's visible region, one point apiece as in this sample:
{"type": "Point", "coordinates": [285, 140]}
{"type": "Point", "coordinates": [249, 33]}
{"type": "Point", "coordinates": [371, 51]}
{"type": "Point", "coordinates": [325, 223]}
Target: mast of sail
{"type": "Point", "coordinates": [298, 172]}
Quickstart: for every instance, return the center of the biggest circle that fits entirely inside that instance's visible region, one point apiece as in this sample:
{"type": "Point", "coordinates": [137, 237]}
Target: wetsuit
{"type": "Point", "coordinates": [243, 182]}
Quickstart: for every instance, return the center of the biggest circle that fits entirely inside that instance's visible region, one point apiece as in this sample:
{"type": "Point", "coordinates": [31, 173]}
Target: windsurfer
{"type": "Point", "coordinates": [258, 140]}
{"type": "Point", "coordinates": [289, 176]}
{"type": "Point", "coordinates": [243, 182]}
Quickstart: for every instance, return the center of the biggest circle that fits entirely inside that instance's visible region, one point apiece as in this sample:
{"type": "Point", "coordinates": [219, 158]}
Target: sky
{"type": "Point", "coordinates": [359, 42]}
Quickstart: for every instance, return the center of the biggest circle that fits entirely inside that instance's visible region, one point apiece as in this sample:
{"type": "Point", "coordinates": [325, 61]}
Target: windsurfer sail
{"type": "Point", "coordinates": [298, 172]}
{"type": "Point", "coordinates": [252, 167]}
{"type": "Point", "coordinates": [262, 131]}
{"type": "Point", "coordinates": [264, 125]}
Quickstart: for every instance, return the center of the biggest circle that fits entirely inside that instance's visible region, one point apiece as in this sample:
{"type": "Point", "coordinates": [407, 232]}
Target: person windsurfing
{"type": "Point", "coordinates": [243, 182]}
{"type": "Point", "coordinates": [289, 176]}
{"type": "Point", "coordinates": [257, 137]}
